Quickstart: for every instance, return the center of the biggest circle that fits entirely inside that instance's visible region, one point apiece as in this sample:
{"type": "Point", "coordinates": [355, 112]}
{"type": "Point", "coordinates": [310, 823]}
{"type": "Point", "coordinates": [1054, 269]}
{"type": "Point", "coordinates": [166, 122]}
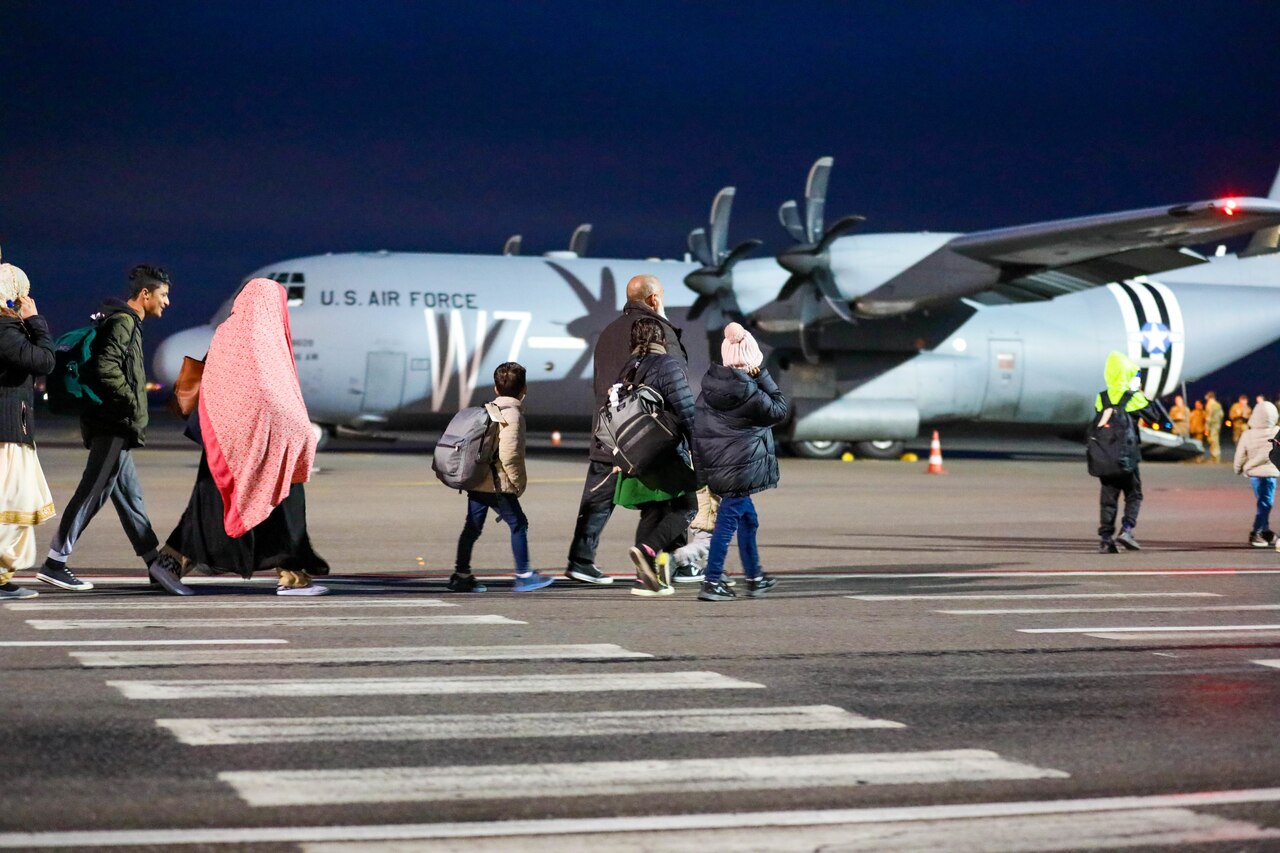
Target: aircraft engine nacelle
{"type": "Point", "coordinates": [854, 419]}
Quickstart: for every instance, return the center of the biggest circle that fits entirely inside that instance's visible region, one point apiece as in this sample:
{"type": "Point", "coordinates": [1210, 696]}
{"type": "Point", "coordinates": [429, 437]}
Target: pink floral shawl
{"type": "Point", "coordinates": [257, 435]}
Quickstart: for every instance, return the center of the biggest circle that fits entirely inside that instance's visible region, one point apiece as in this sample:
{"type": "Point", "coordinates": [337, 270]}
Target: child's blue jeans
{"type": "Point", "coordinates": [1264, 488]}
{"type": "Point", "coordinates": [737, 514]}
{"type": "Point", "coordinates": [508, 509]}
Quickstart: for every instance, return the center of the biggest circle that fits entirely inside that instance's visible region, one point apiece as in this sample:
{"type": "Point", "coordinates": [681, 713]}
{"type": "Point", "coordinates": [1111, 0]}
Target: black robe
{"type": "Point", "coordinates": [280, 541]}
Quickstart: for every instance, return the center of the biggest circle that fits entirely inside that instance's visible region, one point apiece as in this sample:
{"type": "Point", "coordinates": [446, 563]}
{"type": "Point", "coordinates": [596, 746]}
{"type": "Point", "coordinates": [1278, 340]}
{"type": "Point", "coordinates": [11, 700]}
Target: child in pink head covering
{"type": "Point", "coordinates": [735, 457]}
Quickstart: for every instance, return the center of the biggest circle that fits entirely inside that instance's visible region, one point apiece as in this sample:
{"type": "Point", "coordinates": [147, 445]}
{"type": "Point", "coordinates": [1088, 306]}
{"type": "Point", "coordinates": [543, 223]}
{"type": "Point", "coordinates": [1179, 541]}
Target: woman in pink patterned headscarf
{"type": "Point", "coordinates": [247, 511]}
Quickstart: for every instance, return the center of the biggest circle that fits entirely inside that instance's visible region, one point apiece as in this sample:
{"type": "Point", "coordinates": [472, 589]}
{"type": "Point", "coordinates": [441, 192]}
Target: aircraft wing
{"type": "Point", "coordinates": [1048, 259]}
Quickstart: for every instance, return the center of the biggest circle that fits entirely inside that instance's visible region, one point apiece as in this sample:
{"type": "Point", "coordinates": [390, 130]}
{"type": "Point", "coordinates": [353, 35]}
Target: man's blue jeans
{"type": "Point", "coordinates": [508, 509]}
{"type": "Point", "coordinates": [1264, 489]}
{"type": "Point", "coordinates": [737, 514]}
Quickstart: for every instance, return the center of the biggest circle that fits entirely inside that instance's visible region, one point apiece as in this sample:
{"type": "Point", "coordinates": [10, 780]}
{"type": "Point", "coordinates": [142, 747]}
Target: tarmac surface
{"type": "Point", "coordinates": [946, 664]}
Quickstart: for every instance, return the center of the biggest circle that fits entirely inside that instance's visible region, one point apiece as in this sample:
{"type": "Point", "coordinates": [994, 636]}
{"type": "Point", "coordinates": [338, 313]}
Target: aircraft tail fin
{"type": "Point", "coordinates": [1268, 239]}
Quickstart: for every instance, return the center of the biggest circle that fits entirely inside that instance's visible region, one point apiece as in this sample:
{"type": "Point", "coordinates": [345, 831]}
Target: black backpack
{"type": "Point", "coordinates": [637, 429]}
{"type": "Point", "coordinates": [1111, 442]}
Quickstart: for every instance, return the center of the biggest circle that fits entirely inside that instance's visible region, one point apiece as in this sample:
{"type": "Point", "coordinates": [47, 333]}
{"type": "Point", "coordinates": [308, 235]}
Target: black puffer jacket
{"type": "Point", "coordinates": [667, 376]}
{"type": "Point", "coordinates": [613, 349]}
{"type": "Point", "coordinates": [733, 448]}
{"type": "Point", "coordinates": [26, 351]}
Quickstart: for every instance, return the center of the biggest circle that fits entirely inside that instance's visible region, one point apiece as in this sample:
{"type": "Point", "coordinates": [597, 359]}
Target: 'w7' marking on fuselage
{"type": "Point", "coordinates": [451, 355]}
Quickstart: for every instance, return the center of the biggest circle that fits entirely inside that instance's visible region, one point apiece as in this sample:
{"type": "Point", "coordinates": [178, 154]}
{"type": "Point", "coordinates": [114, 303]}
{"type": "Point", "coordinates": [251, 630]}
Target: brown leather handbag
{"type": "Point", "coordinates": [186, 389]}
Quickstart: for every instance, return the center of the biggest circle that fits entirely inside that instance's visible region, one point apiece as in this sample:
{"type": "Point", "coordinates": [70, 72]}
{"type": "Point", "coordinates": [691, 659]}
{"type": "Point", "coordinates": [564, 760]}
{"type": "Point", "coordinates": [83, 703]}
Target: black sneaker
{"type": "Point", "coordinates": [1107, 546]}
{"type": "Point", "coordinates": [715, 592]}
{"type": "Point", "coordinates": [58, 574]}
{"type": "Point", "coordinates": [591, 574]}
{"type": "Point", "coordinates": [1269, 536]}
{"type": "Point", "coordinates": [166, 573]}
{"type": "Point", "coordinates": [1257, 541]}
{"type": "Point", "coordinates": [688, 574]}
{"type": "Point", "coordinates": [1126, 539]}
{"type": "Point", "coordinates": [458, 582]}
{"type": "Point", "coordinates": [757, 587]}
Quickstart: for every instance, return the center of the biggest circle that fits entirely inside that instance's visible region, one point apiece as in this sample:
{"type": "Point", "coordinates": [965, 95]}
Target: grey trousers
{"type": "Point", "coordinates": [109, 473]}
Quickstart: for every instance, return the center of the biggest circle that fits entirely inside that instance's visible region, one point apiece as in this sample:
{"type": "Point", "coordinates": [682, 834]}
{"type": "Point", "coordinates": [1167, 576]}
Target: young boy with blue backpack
{"type": "Point", "coordinates": [482, 453]}
{"type": "Point", "coordinates": [735, 455]}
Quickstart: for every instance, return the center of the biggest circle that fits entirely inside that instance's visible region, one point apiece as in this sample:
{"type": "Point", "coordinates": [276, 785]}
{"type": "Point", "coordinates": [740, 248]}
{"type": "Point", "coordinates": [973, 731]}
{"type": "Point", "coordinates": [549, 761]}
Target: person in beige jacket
{"type": "Point", "coordinates": [1253, 460]}
{"type": "Point", "coordinates": [501, 489]}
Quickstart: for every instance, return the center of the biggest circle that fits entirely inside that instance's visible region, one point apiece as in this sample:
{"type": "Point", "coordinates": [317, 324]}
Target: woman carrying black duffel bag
{"type": "Point", "coordinates": [665, 490]}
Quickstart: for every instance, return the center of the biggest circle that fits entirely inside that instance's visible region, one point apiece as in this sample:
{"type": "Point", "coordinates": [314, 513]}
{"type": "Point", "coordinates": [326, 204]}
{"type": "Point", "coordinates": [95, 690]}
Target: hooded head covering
{"type": "Point", "coordinates": [14, 285]}
{"type": "Point", "coordinates": [740, 349]}
{"type": "Point", "coordinates": [1119, 373]}
{"type": "Point", "coordinates": [1265, 416]}
{"type": "Point", "coordinates": [257, 435]}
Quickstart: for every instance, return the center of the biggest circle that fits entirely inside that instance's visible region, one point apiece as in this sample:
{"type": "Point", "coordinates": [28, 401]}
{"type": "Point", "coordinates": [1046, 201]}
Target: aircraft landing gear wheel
{"type": "Point", "coordinates": [322, 435]}
{"type": "Point", "coordinates": [884, 449]}
{"type": "Point", "coordinates": [819, 449]}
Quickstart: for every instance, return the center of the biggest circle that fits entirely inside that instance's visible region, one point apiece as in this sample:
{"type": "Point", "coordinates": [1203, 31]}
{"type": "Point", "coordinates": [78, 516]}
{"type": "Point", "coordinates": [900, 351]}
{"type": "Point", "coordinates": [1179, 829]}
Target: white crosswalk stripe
{"type": "Point", "coordinates": [402, 654]}
{"type": "Point", "coordinates": [1153, 629]}
{"type": "Point", "coordinates": [622, 778]}
{"type": "Point", "coordinates": [200, 603]}
{"type": "Point", "coordinates": [1274, 664]}
{"type": "Point", "coordinates": [218, 731]}
{"type": "Point", "coordinates": [575, 683]}
{"type": "Point", "coordinates": [267, 622]}
{"type": "Point", "coordinates": [1014, 596]}
{"type": "Point", "coordinates": [1155, 828]}
{"type": "Point", "coordinates": [599, 832]}
{"type": "Point", "coordinates": [19, 644]}
{"type": "Point", "coordinates": [1016, 611]}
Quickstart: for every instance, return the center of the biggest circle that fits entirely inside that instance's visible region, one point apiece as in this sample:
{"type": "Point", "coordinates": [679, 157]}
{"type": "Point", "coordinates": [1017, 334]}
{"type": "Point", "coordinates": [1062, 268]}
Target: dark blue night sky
{"type": "Point", "coordinates": [213, 138]}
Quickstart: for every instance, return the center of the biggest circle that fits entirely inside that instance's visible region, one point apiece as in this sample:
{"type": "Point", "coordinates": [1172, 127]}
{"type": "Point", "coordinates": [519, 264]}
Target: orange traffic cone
{"type": "Point", "coordinates": [935, 456]}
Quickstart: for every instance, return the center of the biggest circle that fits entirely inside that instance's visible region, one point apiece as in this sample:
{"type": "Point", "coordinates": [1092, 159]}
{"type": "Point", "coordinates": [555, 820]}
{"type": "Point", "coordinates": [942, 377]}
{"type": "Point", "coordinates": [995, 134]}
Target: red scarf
{"type": "Point", "coordinates": [257, 435]}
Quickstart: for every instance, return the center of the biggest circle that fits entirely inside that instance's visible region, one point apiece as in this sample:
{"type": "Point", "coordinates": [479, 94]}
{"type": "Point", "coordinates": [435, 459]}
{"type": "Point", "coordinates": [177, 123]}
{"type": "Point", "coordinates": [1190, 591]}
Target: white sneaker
{"type": "Point", "coordinates": [310, 589]}
{"type": "Point", "coordinates": [645, 592]}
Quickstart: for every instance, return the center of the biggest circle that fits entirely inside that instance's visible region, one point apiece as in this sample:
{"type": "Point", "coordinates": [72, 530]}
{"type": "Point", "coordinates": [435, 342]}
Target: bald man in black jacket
{"type": "Point", "coordinates": [613, 348]}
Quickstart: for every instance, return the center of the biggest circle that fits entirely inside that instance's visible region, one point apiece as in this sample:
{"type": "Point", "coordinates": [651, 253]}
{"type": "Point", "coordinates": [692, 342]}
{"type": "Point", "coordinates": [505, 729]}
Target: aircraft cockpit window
{"type": "Point", "coordinates": [297, 278]}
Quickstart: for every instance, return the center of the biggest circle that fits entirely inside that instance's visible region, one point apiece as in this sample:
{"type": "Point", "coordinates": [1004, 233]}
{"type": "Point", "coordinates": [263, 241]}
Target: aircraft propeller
{"type": "Point", "coordinates": [714, 281]}
{"type": "Point", "coordinates": [809, 261]}
{"type": "Point", "coordinates": [578, 242]}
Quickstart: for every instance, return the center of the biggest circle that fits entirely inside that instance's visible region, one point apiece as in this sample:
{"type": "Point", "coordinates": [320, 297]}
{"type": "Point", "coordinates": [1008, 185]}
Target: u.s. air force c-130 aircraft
{"type": "Point", "coordinates": [872, 336]}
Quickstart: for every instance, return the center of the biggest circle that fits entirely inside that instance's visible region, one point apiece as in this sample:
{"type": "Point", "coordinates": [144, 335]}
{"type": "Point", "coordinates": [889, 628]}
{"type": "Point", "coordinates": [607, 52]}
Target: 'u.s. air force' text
{"type": "Point", "coordinates": [394, 298]}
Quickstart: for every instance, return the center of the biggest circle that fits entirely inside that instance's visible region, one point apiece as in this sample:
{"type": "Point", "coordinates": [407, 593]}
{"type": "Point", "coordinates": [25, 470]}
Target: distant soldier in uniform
{"type": "Point", "coordinates": [1239, 415]}
{"type": "Point", "coordinates": [1180, 415]}
{"type": "Point", "coordinates": [1196, 425]}
{"type": "Point", "coordinates": [1213, 418]}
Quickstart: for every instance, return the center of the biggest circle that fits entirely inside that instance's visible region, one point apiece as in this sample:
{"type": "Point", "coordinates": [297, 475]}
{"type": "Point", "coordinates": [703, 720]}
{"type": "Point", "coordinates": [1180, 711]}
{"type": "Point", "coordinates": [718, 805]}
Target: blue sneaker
{"type": "Point", "coordinates": [531, 581]}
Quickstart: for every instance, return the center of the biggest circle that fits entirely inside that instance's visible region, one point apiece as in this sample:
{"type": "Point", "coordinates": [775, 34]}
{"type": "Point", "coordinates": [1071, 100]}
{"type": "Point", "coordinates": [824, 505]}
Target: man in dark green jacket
{"type": "Point", "coordinates": [111, 430]}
